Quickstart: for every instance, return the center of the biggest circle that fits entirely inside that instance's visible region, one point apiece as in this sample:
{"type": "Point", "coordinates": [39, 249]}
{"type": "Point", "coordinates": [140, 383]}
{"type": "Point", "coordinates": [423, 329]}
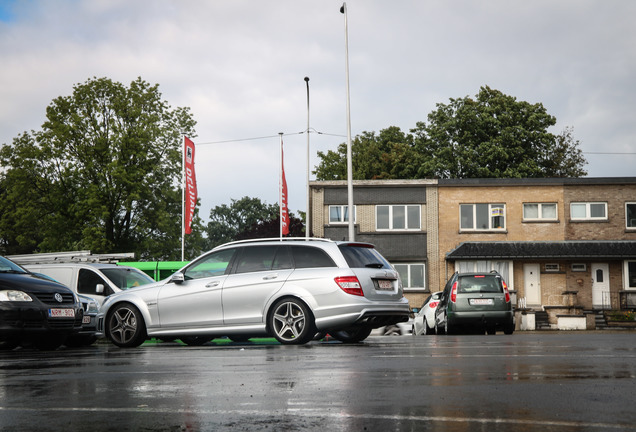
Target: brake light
{"type": "Point", "coordinates": [506, 291]}
{"type": "Point", "coordinates": [433, 305]}
{"type": "Point", "coordinates": [350, 285]}
{"type": "Point", "coordinates": [453, 296]}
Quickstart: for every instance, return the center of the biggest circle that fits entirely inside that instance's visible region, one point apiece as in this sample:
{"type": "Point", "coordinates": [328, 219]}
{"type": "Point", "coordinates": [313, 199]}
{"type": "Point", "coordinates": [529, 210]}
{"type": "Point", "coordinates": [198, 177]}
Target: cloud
{"type": "Point", "coordinates": [239, 66]}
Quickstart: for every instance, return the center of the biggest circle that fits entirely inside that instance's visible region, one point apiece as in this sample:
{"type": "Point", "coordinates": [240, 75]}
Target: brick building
{"type": "Point", "coordinates": [567, 247]}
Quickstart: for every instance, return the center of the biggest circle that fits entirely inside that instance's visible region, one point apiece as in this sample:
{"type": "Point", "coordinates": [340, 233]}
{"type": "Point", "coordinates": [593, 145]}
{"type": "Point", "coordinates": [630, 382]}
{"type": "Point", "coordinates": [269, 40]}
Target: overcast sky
{"type": "Point", "coordinates": [240, 67]}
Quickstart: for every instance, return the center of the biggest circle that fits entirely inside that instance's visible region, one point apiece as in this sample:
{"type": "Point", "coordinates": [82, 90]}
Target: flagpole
{"type": "Point", "coordinates": [183, 184]}
{"type": "Point", "coordinates": [280, 187]}
{"type": "Point", "coordinates": [351, 215]}
{"type": "Point", "coordinates": [307, 219]}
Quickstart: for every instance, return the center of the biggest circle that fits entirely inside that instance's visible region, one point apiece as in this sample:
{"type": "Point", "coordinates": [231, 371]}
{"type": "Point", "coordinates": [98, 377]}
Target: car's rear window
{"type": "Point", "coordinates": [363, 257]}
{"type": "Point", "coordinates": [479, 284]}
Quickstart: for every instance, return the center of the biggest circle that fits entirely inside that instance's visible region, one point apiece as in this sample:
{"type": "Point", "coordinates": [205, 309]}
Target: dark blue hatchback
{"type": "Point", "coordinates": [34, 310]}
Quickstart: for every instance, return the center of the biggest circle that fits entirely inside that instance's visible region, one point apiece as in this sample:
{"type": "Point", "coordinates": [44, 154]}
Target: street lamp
{"type": "Point", "coordinates": [343, 10]}
{"type": "Point", "coordinates": [307, 218]}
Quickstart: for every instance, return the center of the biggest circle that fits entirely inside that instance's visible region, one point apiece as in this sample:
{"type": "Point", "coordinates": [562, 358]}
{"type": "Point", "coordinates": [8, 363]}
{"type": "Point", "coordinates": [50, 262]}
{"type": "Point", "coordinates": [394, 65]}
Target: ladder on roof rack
{"type": "Point", "coordinates": [69, 257]}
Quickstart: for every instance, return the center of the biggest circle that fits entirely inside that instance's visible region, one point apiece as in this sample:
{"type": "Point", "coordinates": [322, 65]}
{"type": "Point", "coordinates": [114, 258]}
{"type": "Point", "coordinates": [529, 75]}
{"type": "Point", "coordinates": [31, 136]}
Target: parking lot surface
{"type": "Point", "coordinates": [528, 381]}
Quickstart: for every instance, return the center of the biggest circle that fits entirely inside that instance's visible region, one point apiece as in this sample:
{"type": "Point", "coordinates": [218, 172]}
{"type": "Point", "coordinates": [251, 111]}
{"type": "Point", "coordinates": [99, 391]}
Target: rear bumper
{"type": "Point", "coordinates": [370, 314]}
{"type": "Point", "coordinates": [484, 318]}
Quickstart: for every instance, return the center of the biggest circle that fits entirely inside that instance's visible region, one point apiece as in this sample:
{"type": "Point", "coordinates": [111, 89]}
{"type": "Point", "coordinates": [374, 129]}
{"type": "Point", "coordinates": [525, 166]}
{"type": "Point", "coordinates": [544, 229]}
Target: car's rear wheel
{"type": "Point", "coordinates": [291, 322]}
{"type": "Point", "coordinates": [509, 329]}
{"type": "Point", "coordinates": [195, 340]}
{"type": "Point", "coordinates": [125, 326]}
{"type": "Point", "coordinates": [352, 334]}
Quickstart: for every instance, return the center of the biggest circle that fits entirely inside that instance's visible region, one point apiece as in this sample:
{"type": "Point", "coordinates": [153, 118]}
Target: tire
{"type": "Point", "coordinates": [195, 340]}
{"type": "Point", "coordinates": [239, 338]}
{"type": "Point", "coordinates": [125, 326]}
{"type": "Point", "coordinates": [491, 330]}
{"type": "Point", "coordinates": [509, 329]}
{"type": "Point", "coordinates": [447, 328]}
{"type": "Point", "coordinates": [352, 334]}
{"type": "Point", "coordinates": [290, 321]}
{"type": "Point", "coordinates": [9, 344]}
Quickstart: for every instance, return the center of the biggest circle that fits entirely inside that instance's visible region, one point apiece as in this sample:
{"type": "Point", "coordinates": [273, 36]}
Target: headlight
{"type": "Point", "coordinates": [13, 295]}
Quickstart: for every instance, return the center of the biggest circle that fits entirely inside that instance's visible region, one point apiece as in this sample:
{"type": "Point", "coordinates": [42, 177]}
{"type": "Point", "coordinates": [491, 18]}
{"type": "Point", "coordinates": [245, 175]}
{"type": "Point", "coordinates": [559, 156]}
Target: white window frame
{"type": "Point", "coordinates": [588, 206]}
{"type": "Point", "coordinates": [579, 267]}
{"type": "Point", "coordinates": [630, 223]}
{"type": "Point", "coordinates": [343, 219]}
{"type": "Point", "coordinates": [407, 277]}
{"type": "Point", "coordinates": [491, 206]}
{"type": "Point", "coordinates": [540, 212]}
{"type": "Point", "coordinates": [626, 275]}
{"type": "Point", "coordinates": [406, 217]}
{"type": "Point", "coordinates": [552, 268]}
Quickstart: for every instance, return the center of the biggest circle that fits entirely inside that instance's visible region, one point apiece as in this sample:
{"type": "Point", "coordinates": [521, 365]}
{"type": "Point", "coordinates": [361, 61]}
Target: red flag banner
{"type": "Point", "coordinates": [190, 184]}
{"type": "Point", "coordinates": [284, 212]}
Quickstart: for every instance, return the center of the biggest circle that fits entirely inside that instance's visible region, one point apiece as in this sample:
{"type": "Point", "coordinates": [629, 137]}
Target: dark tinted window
{"type": "Point", "coordinates": [87, 282]}
{"type": "Point", "coordinates": [256, 258]}
{"type": "Point", "coordinates": [309, 257]}
{"type": "Point", "coordinates": [361, 257]}
{"type": "Point", "coordinates": [479, 284]}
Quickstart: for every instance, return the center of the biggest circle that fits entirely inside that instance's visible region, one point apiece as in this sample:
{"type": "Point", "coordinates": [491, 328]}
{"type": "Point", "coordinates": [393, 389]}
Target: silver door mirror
{"type": "Point", "coordinates": [99, 288]}
{"type": "Point", "coordinates": [177, 278]}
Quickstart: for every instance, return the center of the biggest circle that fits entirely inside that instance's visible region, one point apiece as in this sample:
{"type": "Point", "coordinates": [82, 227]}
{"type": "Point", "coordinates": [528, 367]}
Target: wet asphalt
{"type": "Point", "coordinates": [529, 381]}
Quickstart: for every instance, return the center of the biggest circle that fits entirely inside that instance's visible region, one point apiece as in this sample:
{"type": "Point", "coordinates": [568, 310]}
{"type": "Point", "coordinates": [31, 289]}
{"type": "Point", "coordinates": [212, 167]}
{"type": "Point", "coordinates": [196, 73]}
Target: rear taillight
{"type": "Point", "coordinates": [350, 285]}
{"type": "Point", "coordinates": [453, 296]}
{"type": "Point", "coordinates": [433, 305]}
{"type": "Point", "coordinates": [506, 291]}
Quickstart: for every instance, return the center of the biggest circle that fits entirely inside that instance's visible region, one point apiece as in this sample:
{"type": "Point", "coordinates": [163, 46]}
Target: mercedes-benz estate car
{"type": "Point", "coordinates": [291, 289]}
{"type": "Point", "coordinates": [35, 310]}
{"type": "Point", "coordinates": [478, 302]}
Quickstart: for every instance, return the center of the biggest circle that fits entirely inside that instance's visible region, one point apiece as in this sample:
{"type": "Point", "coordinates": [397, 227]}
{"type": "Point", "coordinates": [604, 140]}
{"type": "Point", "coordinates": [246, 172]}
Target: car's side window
{"type": "Point", "coordinates": [311, 257]}
{"type": "Point", "coordinates": [213, 264]}
{"type": "Point", "coordinates": [87, 282]}
{"type": "Point", "coordinates": [256, 258]}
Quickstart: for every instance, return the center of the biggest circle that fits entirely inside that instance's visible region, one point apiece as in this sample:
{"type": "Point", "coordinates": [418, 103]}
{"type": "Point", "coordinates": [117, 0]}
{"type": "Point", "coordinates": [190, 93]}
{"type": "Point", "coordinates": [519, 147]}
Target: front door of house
{"type": "Point", "coordinates": [600, 286]}
{"type": "Point", "coordinates": [532, 284]}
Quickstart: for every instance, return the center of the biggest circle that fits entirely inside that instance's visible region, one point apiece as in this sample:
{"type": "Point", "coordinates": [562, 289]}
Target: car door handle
{"type": "Point", "coordinates": [270, 277]}
{"type": "Point", "coordinates": [212, 284]}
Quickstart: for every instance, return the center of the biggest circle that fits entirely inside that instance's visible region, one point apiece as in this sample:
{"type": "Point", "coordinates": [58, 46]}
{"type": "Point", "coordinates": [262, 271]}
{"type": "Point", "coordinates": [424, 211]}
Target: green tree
{"type": "Point", "coordinates": [247, 218]}
{"type": "Point", "coordinates": [387, 155]}
{"type": "Point", "coordinates": [492, 135]}
{"type": "Point", "coordinates": [102, 174]}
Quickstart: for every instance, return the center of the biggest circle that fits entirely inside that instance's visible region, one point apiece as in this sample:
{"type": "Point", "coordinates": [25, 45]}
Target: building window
{"type": "Point", "coordinates": [411, 275]}
{"type": "Point", "coordinates": [588, 211]}
{"type": "Point", "coordinates": [398, 217]}
{"type": "Point", "coordinates": [539, 211]}
{"type": "Point", "coordinates": [630, 275]}
{"type": "Point", "coordinates": [551, 267]}
{"type": "Point", "coordinates": [504, 268]}
{"type": "Point", "coordinates": [480, 217]}
{"type": "Point", "coordinates": [579, 267]}
{"type": "Point", "coordinates": [630, 215]}
{"type": "Point", "coordinates": [340, 214]}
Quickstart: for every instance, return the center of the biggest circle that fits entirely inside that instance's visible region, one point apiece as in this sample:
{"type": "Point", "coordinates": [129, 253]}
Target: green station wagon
{"type": "Point", "coordinates": [475, 302]}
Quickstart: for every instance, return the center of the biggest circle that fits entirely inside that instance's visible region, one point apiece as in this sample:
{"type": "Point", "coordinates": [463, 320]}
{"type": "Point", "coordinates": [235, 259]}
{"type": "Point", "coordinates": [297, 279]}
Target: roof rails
{"type": "Point", "coordinates": [69, 257]}
{"type": "Point", "coordinates": [281, 239]}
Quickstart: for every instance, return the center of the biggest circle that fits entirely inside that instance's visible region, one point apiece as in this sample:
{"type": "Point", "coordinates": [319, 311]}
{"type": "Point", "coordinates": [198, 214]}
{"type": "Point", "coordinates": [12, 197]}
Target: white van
{"type": "Point", "coordinates": [94, 280]}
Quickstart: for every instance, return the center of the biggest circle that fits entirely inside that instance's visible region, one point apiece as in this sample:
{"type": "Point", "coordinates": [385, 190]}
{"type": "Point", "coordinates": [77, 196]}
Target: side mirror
{"type": "Point", "coordinates": [416, 310]}
{"type": "Point", "coordinates": [177, 278]}
{"type": "Point", "coordinates": [99, 288]}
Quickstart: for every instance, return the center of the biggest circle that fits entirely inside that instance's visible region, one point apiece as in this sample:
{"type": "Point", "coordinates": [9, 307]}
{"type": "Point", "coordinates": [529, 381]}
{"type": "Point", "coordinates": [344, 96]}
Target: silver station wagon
{"type": "Point", "coordinates": [291, 289]}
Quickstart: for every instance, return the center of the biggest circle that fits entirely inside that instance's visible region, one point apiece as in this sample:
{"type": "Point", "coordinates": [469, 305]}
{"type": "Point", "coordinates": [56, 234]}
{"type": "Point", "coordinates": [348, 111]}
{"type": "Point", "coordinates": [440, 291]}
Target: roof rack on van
{"type": "Point", "coordinates": [69, 257]}
{"type": "Point", "coordinates": [283, 239]}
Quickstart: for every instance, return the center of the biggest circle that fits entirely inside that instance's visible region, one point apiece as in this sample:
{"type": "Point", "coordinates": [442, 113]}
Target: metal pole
{"type": "Point", "coordinates": [343, 10]}
{"type": "Point", "coordinates": [280, 187]}
{"type": "Point", "coordinates": [183, 184]}
{"type": "Point", "coordinates": [307, 215]}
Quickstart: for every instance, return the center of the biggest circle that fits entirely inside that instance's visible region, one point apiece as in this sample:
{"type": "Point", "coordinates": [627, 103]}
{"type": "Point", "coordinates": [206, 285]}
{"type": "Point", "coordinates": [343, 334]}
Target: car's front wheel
{"type": "Point", "coordinates": [125, 326]}
{"type": "Point", "coordinates": [352, 335]}
{"type": "Point", "coordinates": [291, 322]}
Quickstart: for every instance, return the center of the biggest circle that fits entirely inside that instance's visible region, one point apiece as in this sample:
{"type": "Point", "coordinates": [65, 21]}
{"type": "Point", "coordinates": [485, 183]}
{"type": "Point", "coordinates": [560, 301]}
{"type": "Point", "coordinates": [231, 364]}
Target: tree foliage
{"type": "Point", "coordinates": [247, 218]}
{"type": "Point", "coordinates": [102, 174]}
{"type": "Point", "coordinates": [492, 135]}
